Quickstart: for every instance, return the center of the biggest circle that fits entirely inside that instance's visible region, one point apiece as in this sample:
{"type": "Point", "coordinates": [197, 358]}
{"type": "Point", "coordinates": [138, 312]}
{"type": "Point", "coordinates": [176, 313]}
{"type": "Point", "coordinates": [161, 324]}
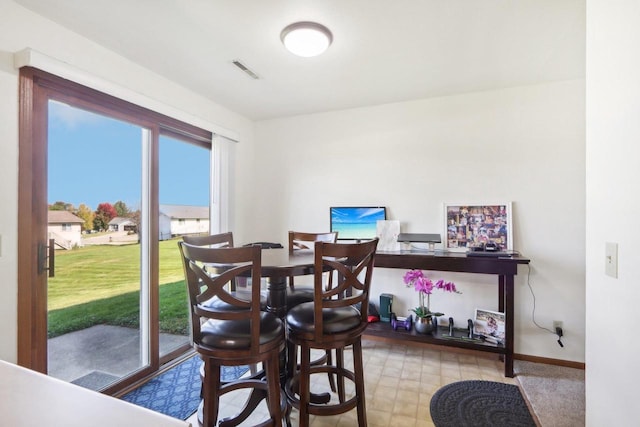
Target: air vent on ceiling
{"type": "Point", "coordinates": [246, 69]}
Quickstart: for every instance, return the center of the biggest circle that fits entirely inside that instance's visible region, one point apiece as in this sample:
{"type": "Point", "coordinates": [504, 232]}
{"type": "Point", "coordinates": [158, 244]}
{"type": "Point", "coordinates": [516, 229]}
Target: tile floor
{"type": "Point", "coordinates": [399, 383]}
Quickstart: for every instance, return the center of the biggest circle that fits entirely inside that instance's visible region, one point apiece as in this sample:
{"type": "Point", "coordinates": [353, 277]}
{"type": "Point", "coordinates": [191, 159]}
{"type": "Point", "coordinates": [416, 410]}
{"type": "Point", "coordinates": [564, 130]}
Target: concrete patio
{"type": "Point", "coordinates": [95, 357]}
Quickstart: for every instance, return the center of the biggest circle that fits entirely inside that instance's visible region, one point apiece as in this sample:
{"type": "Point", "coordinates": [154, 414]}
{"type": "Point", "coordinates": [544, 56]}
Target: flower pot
{"type": "Point", "coordinates": [424, 325]}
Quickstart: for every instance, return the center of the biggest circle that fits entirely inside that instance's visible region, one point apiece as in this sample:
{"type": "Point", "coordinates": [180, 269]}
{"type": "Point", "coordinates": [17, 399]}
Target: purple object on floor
{"type": "Point", "coordinates": [401, 322]}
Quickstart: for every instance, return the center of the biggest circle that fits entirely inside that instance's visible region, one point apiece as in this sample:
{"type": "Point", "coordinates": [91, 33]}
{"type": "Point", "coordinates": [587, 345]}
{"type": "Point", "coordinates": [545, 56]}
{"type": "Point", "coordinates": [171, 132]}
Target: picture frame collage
{"type": "Point", "coordinates": [469, 226]}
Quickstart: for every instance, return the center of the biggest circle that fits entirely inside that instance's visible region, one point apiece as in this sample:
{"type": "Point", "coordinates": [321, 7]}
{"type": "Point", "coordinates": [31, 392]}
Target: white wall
{"type": "Point", "coordinates": [19, 29]}
{"type": "Point", "coordinates": [524, 145]}
{"type": "Point", "coordinates": [613, 152]}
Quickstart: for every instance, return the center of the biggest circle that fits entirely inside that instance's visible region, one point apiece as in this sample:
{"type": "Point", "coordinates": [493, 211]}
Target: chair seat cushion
{"type": "Point", "coordinates": [335, 320]}
{"type": "Point", "coordinates": [298, 295]}
{"type": "Point", "coordinates": [236, 334]}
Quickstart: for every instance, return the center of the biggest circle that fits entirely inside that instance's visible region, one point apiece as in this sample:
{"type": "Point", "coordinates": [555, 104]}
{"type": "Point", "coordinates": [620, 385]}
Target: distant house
{"type": "Point", "coordinates": [179, 220]}
{"type": "Point", "coordinates": [120, 223]}
{"type": "Point", "coordinates": [65, 228]}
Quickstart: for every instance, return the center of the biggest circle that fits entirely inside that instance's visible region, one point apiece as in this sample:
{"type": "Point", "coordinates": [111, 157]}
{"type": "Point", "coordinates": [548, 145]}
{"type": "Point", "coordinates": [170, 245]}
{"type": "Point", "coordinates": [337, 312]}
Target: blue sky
{"type": "Point", "coordinates": [95, 159]}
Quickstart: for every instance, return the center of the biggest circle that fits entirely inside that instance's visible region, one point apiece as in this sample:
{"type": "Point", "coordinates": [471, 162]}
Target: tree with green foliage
{"type": "Point", "coordinates": [86, 214]}
{"type": "Point", "coordinates": [61, 206]}
{"type": "Point", "coordinates": [105, 213]}
{"type": "Point", "coordinates": [122, 209]}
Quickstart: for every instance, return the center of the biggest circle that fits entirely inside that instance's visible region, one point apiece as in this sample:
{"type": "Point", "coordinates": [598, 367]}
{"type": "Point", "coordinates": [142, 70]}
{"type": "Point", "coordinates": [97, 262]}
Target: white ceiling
{"type": "Point", "coordinates": [383, 50]}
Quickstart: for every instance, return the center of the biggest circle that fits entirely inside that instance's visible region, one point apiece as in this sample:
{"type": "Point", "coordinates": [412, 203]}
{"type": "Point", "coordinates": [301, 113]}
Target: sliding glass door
{"type": "Point", "coordinates": [114, 186]}
{"type": "Point", "coordinates": [96, 329]}
{"type": "Point", "coordinates": [184, 183]}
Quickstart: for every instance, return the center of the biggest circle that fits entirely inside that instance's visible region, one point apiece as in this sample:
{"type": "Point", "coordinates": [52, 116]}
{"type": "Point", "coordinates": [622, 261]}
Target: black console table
{"type": "Point", "coordinates": [504, 267]}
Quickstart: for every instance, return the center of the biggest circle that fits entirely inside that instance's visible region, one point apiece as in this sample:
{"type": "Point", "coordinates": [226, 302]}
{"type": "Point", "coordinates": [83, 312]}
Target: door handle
{"type": "Point", "coordinates": [47, 258]}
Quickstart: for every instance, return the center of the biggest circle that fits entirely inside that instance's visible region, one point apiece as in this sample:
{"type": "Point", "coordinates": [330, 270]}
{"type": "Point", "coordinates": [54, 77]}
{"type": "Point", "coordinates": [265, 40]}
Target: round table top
{"type": "Point", "coordinates": [281, 263]}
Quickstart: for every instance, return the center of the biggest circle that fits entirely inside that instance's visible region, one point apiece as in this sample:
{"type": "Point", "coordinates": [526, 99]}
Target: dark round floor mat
{"type": "Point", "coordinates": [481, 404]}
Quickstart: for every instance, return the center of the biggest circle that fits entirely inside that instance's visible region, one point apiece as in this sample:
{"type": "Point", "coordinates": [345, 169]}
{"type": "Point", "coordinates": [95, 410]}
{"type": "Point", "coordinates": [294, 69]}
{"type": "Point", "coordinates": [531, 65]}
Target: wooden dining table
{"type": "Point", "coordinates": [277, 266]}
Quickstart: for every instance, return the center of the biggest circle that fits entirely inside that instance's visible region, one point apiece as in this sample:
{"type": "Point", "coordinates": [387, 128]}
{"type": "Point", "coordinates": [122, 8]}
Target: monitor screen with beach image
{"type": "Point", "coordinates": [356, 223]}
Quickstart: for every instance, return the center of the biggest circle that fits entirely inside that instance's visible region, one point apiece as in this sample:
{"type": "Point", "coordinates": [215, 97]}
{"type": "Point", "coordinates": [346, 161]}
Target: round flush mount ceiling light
{"type": "Point", "coordinates": [306, 39]}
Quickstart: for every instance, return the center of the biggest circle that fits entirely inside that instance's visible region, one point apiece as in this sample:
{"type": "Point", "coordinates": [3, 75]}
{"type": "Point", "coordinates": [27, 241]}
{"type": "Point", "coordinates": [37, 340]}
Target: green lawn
{"type": "Point", "coordinates": [101, 285]}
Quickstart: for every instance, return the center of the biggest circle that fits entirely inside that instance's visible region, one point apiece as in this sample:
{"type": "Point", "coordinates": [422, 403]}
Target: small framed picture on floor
{"type": "Point", "coordinates": [490, 324]}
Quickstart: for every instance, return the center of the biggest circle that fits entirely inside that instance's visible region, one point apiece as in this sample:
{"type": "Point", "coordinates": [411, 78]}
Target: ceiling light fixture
{"type": "Point", "coordinates": [306, 39]}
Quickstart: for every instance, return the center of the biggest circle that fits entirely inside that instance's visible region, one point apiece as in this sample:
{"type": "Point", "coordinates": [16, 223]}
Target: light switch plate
{"type": "Point", "coordinates": [611, 260]}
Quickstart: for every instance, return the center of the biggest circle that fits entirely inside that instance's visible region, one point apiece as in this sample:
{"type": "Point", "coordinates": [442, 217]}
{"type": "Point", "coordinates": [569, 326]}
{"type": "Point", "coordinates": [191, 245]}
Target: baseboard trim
{"type": "Point", "coordinates": [430, 346]}
{"type": "Point", "coordinates": [549, 361]}
{"type": "Point", "coordinates": [478, 353]}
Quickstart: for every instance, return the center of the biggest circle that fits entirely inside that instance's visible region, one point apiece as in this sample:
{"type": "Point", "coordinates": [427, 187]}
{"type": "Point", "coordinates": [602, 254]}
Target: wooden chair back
{"type": "Point", "coordinates": [202, 286]}
{"type": "Point", "coordinates": [222, 240]}
{"type": "Point", "coordinates": [353, 263]}
{"type": "Point", "coordinates": [299, 240]}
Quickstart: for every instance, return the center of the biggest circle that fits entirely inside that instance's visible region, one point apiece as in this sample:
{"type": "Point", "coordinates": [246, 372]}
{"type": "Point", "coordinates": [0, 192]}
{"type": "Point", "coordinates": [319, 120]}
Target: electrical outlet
{"type": "Point", "coordinates": [557, 324]}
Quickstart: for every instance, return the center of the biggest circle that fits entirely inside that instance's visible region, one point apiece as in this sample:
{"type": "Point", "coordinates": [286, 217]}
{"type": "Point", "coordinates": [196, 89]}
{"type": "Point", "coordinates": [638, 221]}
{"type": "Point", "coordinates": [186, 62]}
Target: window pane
{"type": "Point", "coordinates": [184, 181]}
{"type": "Point", "coordinates": [94, 186]}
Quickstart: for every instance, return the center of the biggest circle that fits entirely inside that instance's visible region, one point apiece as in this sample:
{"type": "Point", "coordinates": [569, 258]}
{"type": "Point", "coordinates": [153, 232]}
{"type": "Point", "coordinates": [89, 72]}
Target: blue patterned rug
{"type": "Point", "coordinates": [177, 392]}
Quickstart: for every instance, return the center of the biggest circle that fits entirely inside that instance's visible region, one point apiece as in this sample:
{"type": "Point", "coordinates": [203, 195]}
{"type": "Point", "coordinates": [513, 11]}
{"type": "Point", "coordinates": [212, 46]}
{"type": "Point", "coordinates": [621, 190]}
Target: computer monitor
{"type": "Point", "coordinates": [356, 222]}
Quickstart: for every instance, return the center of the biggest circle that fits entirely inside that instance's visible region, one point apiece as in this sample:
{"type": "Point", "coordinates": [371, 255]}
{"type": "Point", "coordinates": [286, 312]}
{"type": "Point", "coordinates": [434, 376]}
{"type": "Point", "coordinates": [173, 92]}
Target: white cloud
{"type": "Point", "coordinates": [71, 117]}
